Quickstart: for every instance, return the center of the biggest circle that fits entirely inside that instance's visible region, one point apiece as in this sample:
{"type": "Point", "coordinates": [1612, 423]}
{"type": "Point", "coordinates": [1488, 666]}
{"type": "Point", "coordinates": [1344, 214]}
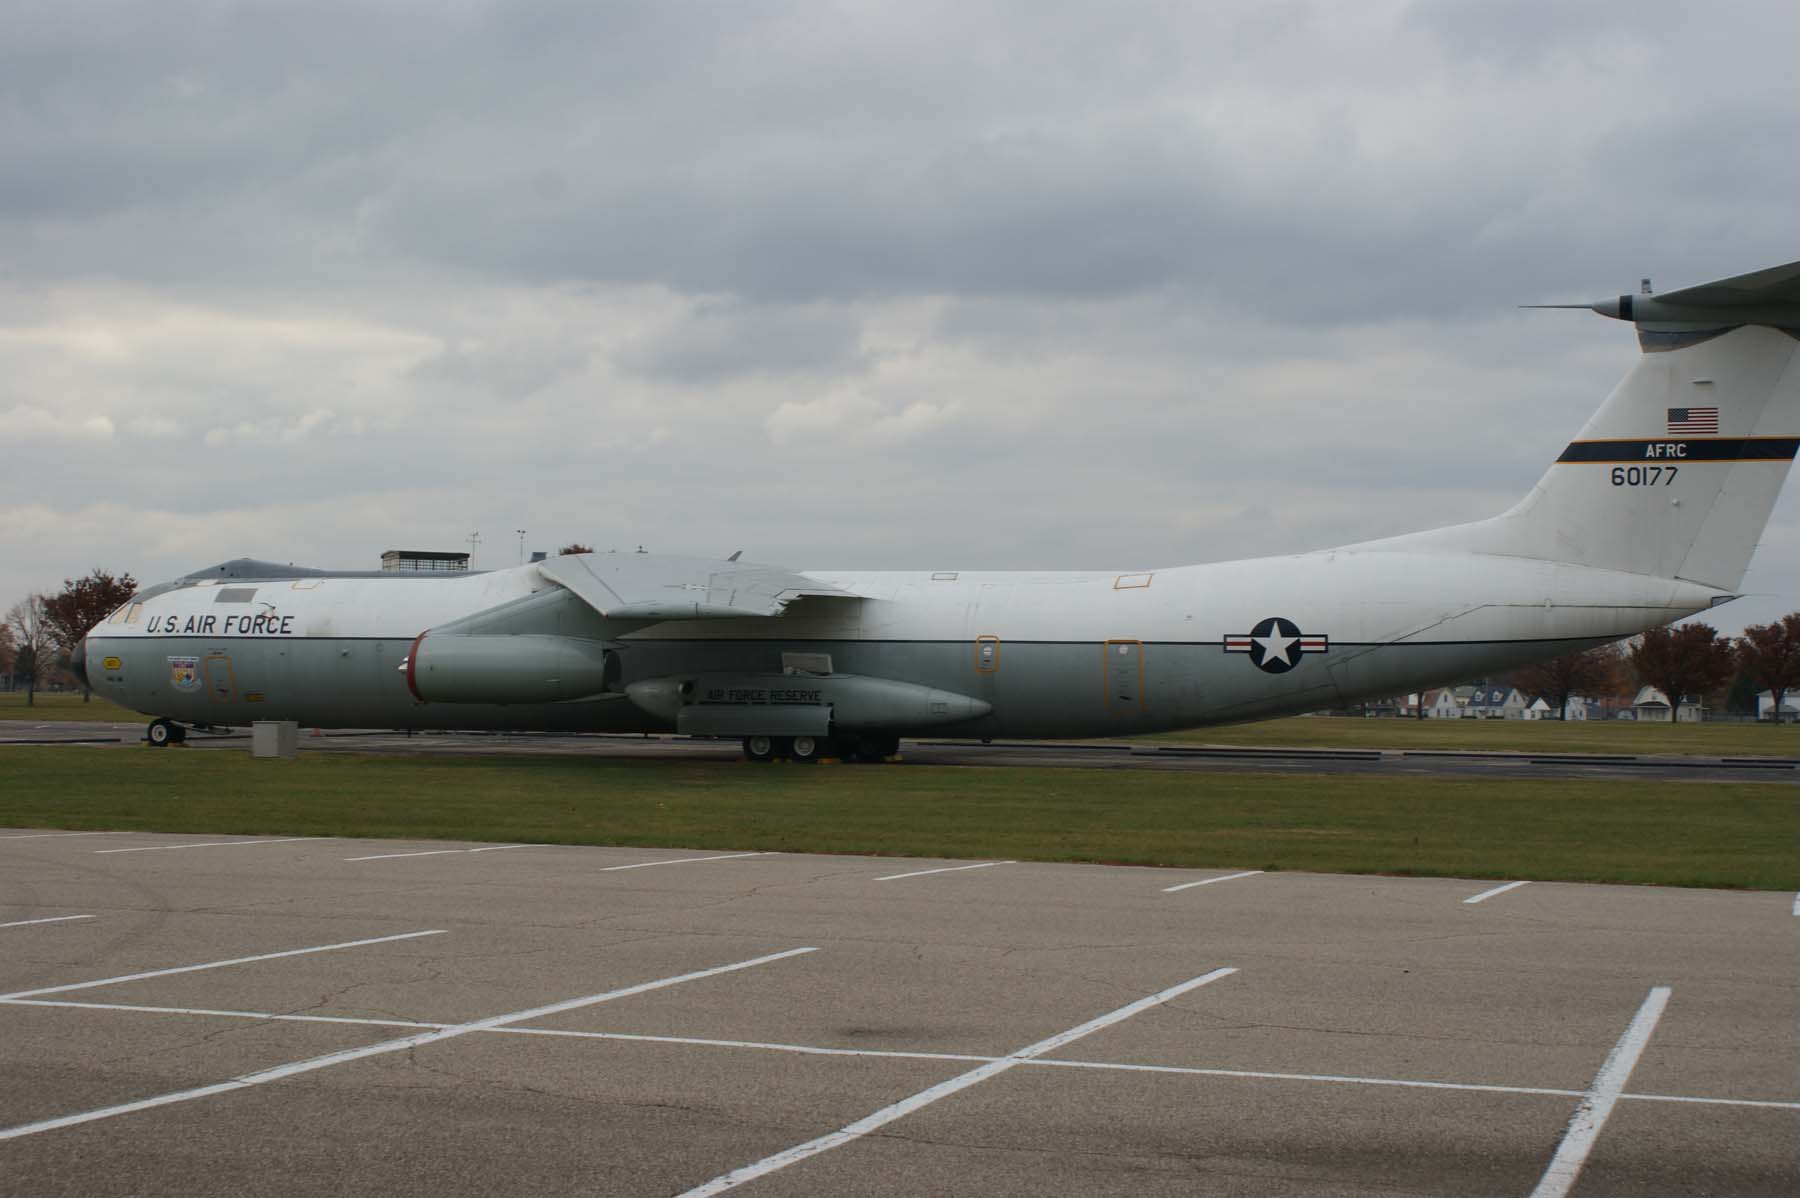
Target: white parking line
{"type": "Point", "coordinates": [948, 869]}
{"type": "Point", "coordinates": [163, 973]}
{"type": "Point", "coordinates": [20, 923]}
{"type": "Point", "coordinates": [210, 844]}
{"type": "Point", "coordinates": [926, 1097]}
{"type": "Point", "coordinates": [1485, 895]}
{"type": "Point", "coordinates": [280, 1017]}
{"type": "Point", "coordinates": [386, 1046]}
{"type": "Point", "coordinates": [1768, 1104]}
{"type": "Point", "coordinates": [915, 1055]}
{"type": "Point", "coordinates": [441, 852]}
{"type": "Point", "coordinates": [1249, 873]}
{"type": "Point", "coordinates": [805, 1050]}
{"type": "Point", "coordinates": [682, 861]}
{"type": "Point", "coordinates": [1797, 904]}
{"type": "Point", "coordinates": [1591, 1113]}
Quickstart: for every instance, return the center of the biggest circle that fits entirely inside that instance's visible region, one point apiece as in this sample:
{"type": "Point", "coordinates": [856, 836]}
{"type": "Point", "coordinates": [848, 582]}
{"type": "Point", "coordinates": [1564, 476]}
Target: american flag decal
{"type": "Point", "coordinates": [1693, 421]}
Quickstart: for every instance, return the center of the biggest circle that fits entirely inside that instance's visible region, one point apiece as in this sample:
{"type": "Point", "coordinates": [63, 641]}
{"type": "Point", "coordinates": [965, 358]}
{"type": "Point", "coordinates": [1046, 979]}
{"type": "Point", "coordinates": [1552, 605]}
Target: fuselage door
{"type": "Point", "coordinates": [215, 668]}
{"type": "Point", "coordinates": [987, 654]}
{"type": "Point", "coordinates": [1124, 677]}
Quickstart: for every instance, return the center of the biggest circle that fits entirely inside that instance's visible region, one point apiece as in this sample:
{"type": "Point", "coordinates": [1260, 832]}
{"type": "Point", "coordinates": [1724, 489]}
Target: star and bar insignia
{"type": "Point", "coordinates": [1276, 645]}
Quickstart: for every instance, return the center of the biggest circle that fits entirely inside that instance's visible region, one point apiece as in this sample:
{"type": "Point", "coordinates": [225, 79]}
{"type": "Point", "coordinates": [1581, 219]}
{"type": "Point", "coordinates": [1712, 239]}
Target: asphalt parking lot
{"type": "Point", "coordinates": [232, 1015]}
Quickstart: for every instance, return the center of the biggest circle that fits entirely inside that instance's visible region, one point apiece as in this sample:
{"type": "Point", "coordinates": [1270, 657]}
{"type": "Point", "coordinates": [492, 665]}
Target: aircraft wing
{"type": "Point", "coordinates": [654, 586]}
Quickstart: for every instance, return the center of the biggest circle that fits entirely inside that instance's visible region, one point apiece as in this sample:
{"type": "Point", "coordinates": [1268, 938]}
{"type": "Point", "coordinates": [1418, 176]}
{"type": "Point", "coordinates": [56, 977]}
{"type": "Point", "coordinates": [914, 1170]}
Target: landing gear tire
{"type": "Point", "coordinates": [162, 733]}
{"type": "Point", "coordinates": [806, 749]}
{"type": "Point", "coordinates": [759, 748]}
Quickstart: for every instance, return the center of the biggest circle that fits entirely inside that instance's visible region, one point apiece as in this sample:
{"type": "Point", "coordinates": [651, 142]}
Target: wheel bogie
{"type": "Point", "coordinates": [806, 750]}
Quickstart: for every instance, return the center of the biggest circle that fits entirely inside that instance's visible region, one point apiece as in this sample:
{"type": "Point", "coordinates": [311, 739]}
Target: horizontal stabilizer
{"type": "Point", "coordinates": [1766, 297]}
{"type": "Point", "coordinates": [655, 587]}
{"type": "Point", "coordinates": [1775, 285]}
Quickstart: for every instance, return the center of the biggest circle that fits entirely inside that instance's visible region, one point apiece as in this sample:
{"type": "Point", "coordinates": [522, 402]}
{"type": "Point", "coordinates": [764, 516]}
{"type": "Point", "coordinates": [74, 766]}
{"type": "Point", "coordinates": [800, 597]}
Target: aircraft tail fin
{"type": "Point", "coordinates": [1676, 474]}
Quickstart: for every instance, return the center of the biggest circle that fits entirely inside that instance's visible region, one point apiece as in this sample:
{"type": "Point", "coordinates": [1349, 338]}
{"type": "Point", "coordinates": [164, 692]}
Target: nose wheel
{"type": "Point", "coordinates": [163, 733]}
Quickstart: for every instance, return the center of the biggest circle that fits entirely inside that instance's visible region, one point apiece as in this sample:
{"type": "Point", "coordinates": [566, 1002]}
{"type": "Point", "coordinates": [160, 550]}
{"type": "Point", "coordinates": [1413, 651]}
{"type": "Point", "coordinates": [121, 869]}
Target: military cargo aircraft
{"type": "Point", "coordinates": [1651, 514]}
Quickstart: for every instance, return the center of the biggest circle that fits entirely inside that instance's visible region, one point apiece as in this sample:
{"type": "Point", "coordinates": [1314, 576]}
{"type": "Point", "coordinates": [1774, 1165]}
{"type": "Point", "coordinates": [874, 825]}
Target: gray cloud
{"type": "Point", "coordinates": [723, 341]}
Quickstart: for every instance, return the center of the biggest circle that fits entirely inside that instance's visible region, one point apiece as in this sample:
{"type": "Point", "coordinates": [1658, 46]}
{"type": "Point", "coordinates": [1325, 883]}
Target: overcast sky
{"type": "Point", "coordinates": [1118, 285]}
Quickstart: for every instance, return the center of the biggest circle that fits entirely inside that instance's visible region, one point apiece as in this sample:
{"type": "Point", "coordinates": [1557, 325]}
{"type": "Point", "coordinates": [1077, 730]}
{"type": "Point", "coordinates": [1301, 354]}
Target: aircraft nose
{"type": "Point", "coordinates": [78, 661]}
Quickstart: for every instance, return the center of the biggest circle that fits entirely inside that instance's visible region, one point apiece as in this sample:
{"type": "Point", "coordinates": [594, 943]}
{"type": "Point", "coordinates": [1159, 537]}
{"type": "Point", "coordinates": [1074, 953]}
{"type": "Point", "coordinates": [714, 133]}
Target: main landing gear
{"type": "Point", "coordinates": [163, 733]}
{"type": "Point", "coordinates": [809, 749]}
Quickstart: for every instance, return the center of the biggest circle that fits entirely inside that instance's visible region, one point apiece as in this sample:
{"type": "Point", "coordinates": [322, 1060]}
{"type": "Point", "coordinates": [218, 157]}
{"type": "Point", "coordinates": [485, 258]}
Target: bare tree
{"type": "Point", "coordinates": [1770, 654]}
{"type": "Point", "coordinates": [577, 547]}
{"type": "Point", "coordinates": [1691, 661]}
{"type": "Point", "coordinates": [31, 643]}
{"type": "Point", "coordinates": [81, 604]}
{"type": "Point", "coordinates": [1590, 672]}
{"type": "Point", "coordinates": [7, 651]}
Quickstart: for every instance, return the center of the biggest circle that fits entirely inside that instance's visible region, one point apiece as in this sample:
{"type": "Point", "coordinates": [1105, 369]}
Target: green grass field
{"type": "Point", "coordinates": [1674, 833]}
{"type": "Point", "coordinates": [62, 708]}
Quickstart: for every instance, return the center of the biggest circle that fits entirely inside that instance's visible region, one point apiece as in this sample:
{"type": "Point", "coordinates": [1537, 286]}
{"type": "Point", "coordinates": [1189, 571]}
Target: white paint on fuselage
{"type": "Point", "coordinates": [1353, 598]}
{"type": "Point", "coordinates": [1392, 621]}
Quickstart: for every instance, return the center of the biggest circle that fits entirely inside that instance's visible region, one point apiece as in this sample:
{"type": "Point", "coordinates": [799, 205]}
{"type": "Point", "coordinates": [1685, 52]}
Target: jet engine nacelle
{"type": "Point", "coordinates": [797, 704]}
{"type": "Point", "coordinates": [447, 668]}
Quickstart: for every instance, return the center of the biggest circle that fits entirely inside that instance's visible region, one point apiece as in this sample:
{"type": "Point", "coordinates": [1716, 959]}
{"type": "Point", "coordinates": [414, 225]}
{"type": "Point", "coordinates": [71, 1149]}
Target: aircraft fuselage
{"type": "Point", "coordinates": [1046, 654]}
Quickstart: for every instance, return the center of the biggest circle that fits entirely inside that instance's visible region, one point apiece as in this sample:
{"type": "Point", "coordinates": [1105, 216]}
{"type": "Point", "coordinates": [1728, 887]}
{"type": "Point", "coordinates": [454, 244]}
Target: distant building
{"type": "Point", "coordinates": [1790, 706]}
{"type": "Point", "coordinates": [1441, 704]}
{"type": "Point", "coordinates": [1495, 703]}
{"type": "Point", "coordinates": [424, 561]}
{"type": "Point", "coordinates": [1580, 708]}
{"type": "Point", "coordinates": [1653, 706]}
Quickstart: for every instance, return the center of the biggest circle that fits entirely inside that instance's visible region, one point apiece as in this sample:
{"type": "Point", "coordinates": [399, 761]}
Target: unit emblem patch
{"type": "Point", "coordinates": [1276, 645]}
{"type": "Point", "coordinates": [184, 673]}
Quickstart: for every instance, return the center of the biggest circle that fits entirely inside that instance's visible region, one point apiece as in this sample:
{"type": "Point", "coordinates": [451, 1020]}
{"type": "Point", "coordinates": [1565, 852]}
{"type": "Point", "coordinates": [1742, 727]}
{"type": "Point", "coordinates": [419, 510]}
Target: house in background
{"type": "Point", "coordinates": [1496, 703]}
{"type": "Point", "coordinates": [1790, 706]}
{"type": "Point", "coordinates": [1580, 708]}
{"type": "Point", "coordinates": [1441, 704]}
{"type": "Point", "coordinates": [1653, 706]}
